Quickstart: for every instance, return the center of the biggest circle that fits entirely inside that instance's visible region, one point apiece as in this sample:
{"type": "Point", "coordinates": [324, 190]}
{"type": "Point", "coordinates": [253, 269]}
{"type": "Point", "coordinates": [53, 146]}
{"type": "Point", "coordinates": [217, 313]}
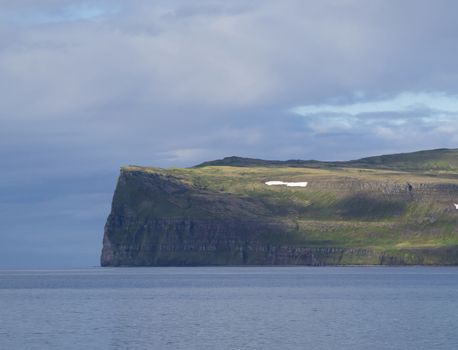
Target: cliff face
{"type": "Point", "coordinates": [228, 216]}
{"type": "Point", "coordinates": [155, 220]}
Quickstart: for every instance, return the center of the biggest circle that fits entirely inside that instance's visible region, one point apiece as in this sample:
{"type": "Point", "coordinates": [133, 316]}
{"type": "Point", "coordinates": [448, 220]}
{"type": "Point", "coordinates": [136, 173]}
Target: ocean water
{"type": "Point", "coordinates": [230, 308]}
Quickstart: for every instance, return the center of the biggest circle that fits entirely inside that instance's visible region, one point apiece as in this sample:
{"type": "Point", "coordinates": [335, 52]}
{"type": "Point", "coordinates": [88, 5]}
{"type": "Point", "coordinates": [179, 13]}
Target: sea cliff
{"type": "Point", "coordinates": [348, 213]}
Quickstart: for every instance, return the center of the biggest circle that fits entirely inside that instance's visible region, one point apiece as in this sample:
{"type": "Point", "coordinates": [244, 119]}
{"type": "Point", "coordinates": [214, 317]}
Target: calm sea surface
{"type": "Point", "coordinates": [230, 308]}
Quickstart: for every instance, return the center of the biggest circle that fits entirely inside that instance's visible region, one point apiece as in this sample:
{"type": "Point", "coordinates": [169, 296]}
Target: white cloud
{"type": "Point", "coordinates": [402, 103]}
{"type": "Point", "coordinates": [395, 118]}
{"type": "Point", "coordinates": [182, 155]}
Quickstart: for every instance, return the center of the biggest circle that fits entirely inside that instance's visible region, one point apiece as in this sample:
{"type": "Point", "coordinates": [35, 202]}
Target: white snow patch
{"type": "Point", "coordinates": [456, 205]}
{"type": "Point", "coordinates": [289, 184]}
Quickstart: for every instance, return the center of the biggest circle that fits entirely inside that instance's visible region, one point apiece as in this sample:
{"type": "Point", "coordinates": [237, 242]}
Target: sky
{"type": "Point", "coordinates": [89, 86]}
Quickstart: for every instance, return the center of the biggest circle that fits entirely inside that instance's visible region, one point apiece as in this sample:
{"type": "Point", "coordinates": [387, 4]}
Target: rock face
{"type": "Point", "coordinates": [180, 226]}
{"type": "Point", "coordinates": [227, 216]}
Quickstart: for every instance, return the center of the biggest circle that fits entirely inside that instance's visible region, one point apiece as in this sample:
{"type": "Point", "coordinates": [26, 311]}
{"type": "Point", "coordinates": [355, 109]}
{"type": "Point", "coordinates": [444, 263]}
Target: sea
{"type": "Point", "coordinates": [229, 308]}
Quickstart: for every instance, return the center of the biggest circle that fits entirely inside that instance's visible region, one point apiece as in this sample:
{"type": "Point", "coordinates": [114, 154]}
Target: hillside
{"type": "Point", "coordinates": [431, 160]}
{"type": "Point", "coordinates": [396, 209]}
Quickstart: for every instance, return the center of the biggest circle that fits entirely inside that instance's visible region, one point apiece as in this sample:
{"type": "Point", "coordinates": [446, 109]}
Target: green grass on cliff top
{"type": "Point", "coordinates": [328, 213]}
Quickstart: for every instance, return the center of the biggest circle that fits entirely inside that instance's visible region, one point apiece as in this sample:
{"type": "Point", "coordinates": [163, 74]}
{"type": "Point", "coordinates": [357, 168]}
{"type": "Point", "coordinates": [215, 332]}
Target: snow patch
{"type": "Point", "coordinates": [456, 206]}
{"type": "Point", "coordinates": [289, 184]}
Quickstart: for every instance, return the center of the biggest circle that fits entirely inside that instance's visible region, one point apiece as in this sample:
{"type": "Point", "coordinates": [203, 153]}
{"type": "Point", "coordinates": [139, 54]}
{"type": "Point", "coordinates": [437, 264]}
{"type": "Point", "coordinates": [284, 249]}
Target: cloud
{"type": "Point", "coordinates": [406, 102]}
{"type": "Point", "coordinates": [394, 118]}
{"type": "Point", "coordinates": [186, 154]}
{"type": "Point", "coordinates": [217, 55]}
{"type": "Point", "coordinates": [32, 14]}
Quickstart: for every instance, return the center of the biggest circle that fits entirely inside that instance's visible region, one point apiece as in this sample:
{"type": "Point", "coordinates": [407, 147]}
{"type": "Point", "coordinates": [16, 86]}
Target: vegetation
{"type": "Point", "coordinates": [438, 160]}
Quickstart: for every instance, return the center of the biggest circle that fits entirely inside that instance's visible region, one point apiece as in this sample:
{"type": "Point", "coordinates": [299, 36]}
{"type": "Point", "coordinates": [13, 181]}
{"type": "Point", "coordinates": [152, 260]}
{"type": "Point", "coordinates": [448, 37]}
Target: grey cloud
{"type": "Point", "coordinates": [288, 54]}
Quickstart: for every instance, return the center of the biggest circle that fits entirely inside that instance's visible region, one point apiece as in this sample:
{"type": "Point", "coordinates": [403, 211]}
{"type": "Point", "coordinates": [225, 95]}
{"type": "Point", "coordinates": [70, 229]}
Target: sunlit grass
{"type": "Point", "coordinates": [387, 216]}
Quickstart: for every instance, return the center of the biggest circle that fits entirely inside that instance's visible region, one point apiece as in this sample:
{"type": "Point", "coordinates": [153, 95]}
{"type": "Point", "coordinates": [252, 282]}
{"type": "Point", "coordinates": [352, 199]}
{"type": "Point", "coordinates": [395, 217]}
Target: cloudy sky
{"type": "Point", "coordinates": [88, 86]}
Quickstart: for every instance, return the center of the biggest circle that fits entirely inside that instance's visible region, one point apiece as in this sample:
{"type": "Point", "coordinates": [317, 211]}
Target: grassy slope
{"type": "Point", "coordinates": [332, 213]}
{"type": "Point", "coordinates": [439, 160]}
{"type": "Point", "coordinates": [431, 161]}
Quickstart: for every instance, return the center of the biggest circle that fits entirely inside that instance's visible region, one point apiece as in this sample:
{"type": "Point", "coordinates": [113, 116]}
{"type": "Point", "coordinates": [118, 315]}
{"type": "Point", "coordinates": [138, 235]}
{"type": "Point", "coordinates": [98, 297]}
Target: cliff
{"type": "Point", "coordinates": [400, 211]}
